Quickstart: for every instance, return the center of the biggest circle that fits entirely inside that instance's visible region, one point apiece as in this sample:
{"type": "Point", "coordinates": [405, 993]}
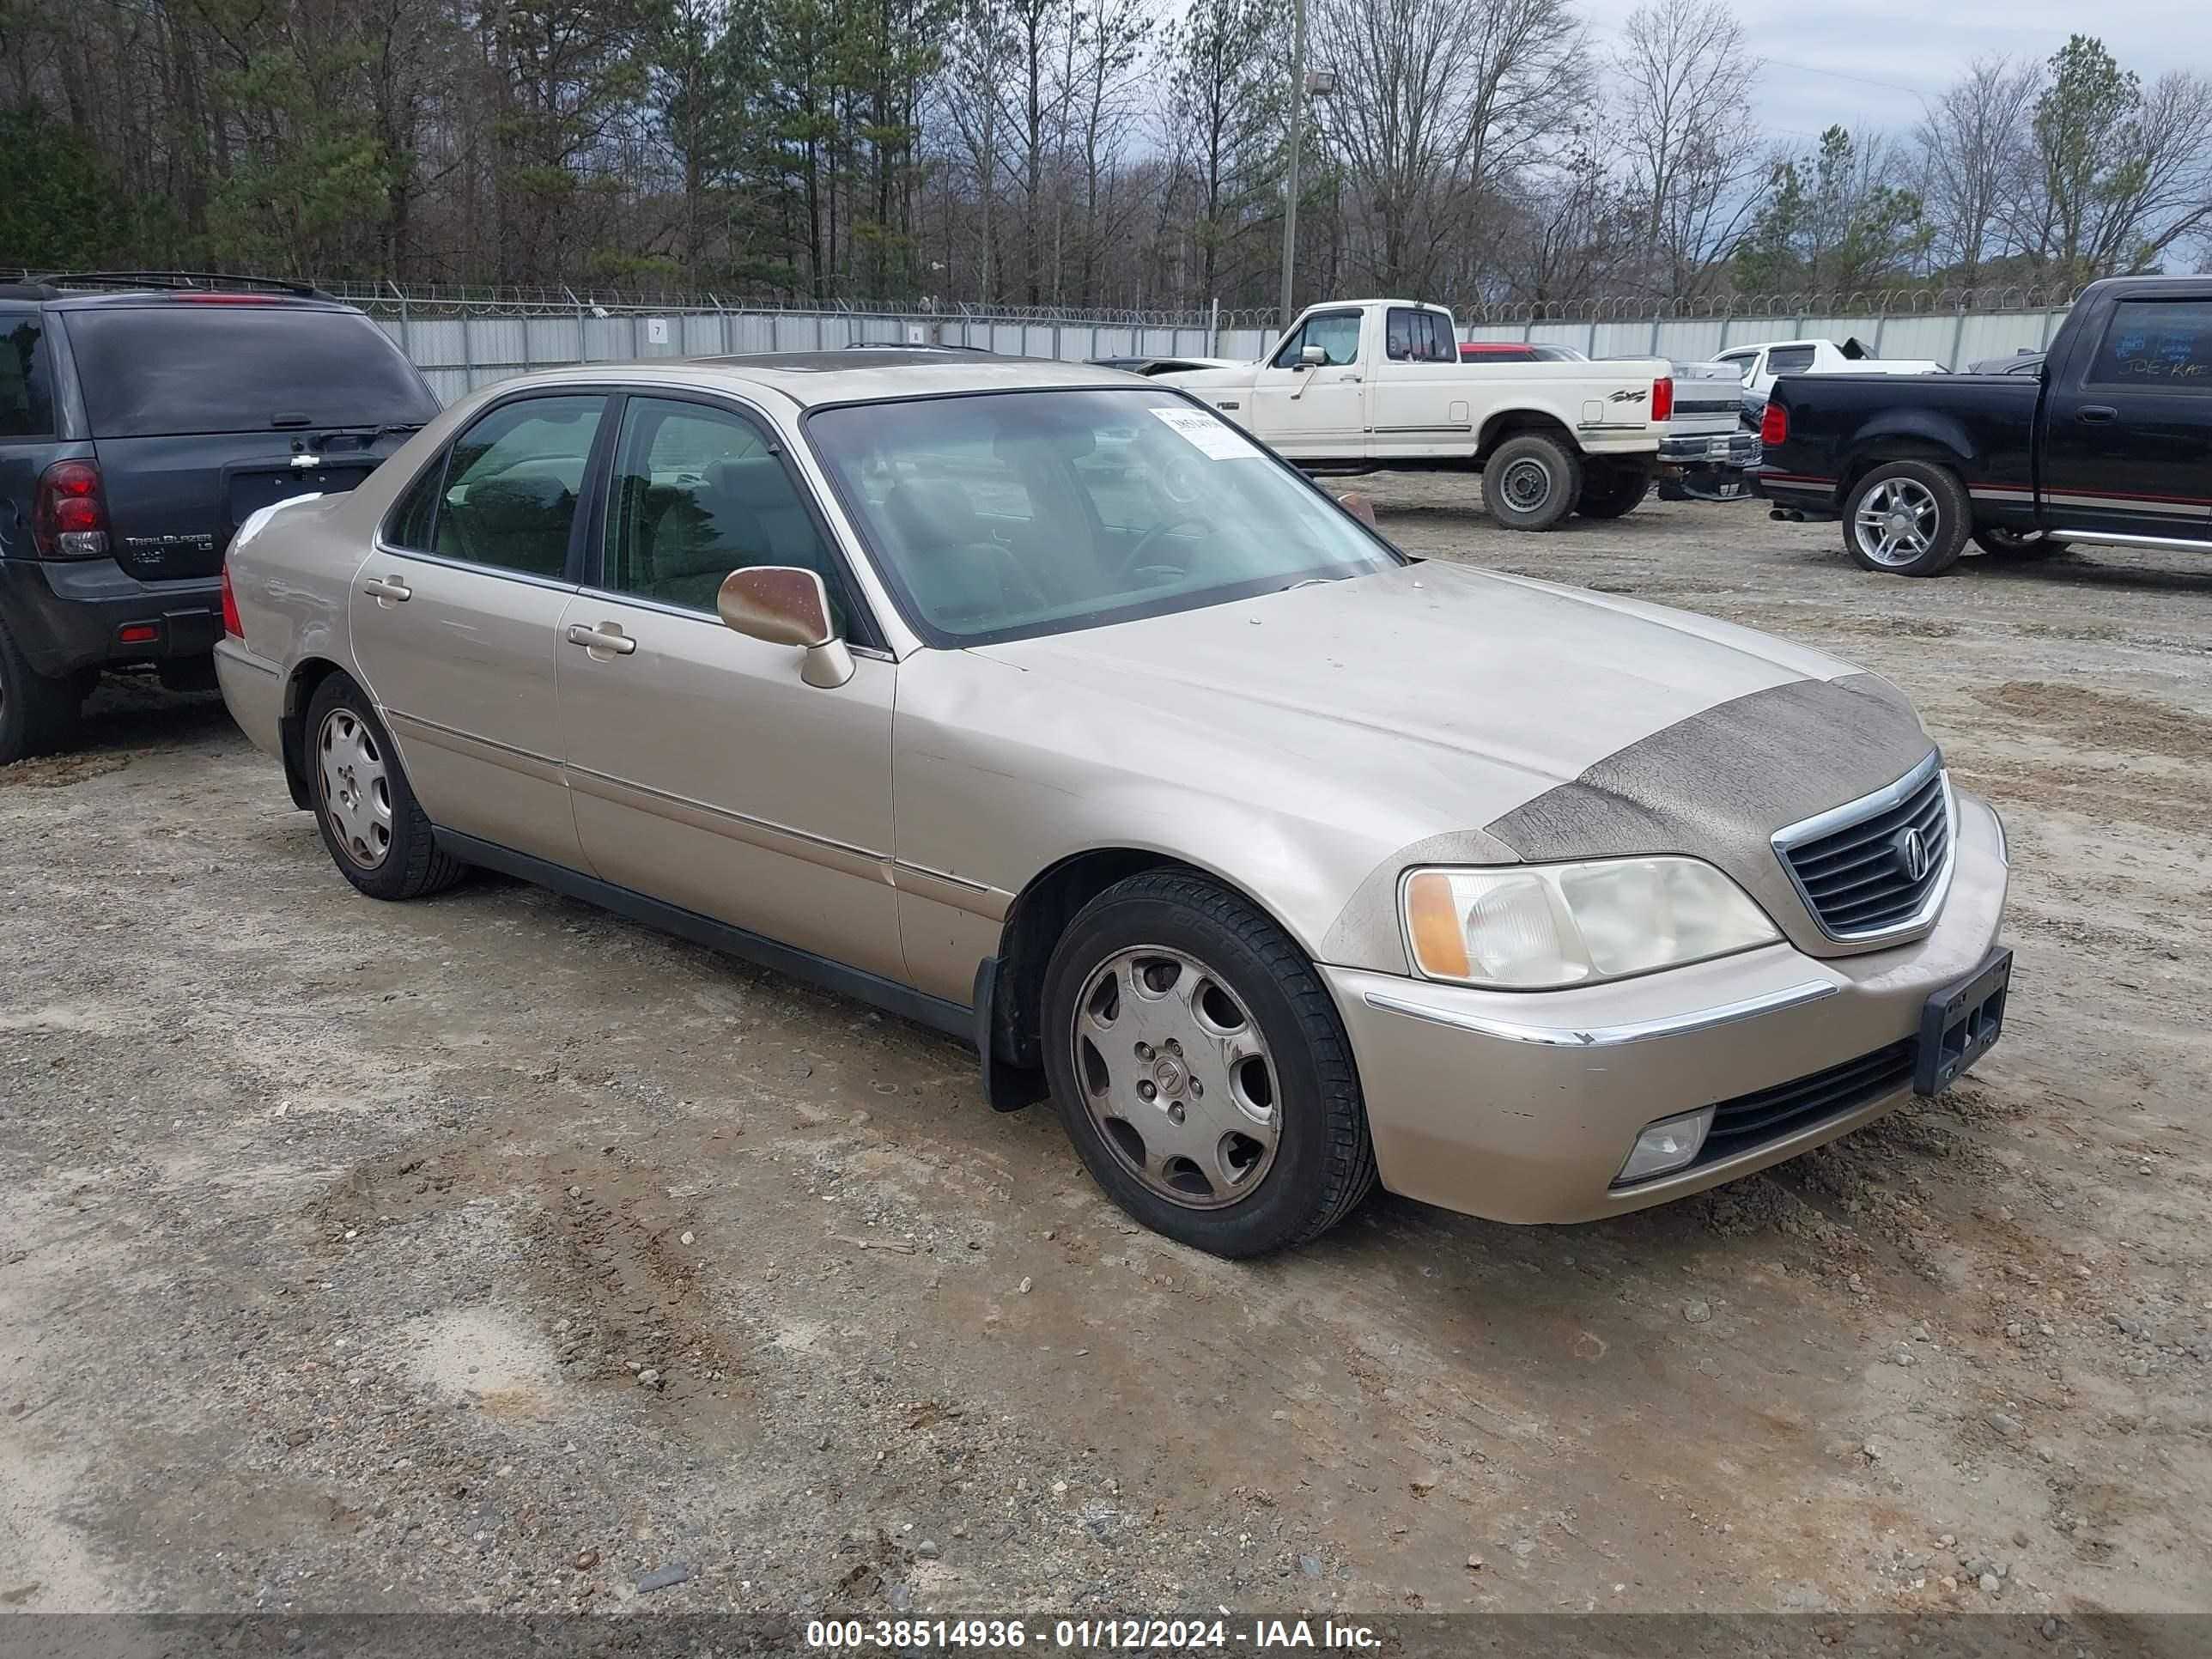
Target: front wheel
{"type": "Point", "coordinates": [1907, 519]}
{"type": "Point", "coordinates": [1531, 482]}
{"type": "Point", "coordinates": [2002, 544]}
{"type": "Point", "coordinates": [1201, 1070]}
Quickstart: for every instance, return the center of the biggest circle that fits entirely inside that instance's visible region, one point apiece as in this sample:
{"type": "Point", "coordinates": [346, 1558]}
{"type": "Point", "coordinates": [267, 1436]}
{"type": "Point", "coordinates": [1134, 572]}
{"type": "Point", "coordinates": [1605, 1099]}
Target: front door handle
{"type": "Point", "coordinates": [388, 588]}
{"type": "Point", "coordinates": [605, 640]}
{"type": "Point", "coordinates": [2096, 414]}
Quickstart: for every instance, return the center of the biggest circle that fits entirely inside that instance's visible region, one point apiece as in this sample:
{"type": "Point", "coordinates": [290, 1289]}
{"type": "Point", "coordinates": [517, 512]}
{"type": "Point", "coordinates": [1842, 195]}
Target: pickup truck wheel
{"type": "Point", "coordinates": [2002, 544]}
{"type": "Point", "coordinates": [1532, 482]}
{"type": "Point", "coordinates": [1202, 1068]}
{"type": "Point", "coordinates": [1908, 518]}
{"type": "Point", "coordinates": [372, 829]}
{"type": "Point", "coordinates": [38, 716]}
{"type": "Point", "coordinates": [1611, 490]}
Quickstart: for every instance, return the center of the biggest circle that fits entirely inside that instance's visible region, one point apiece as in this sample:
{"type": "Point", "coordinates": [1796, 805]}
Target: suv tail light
{"type": "Point", "coordinates": [231, 623]}
{"type": "Point", "coordinates": [1662, 400]}
{"type": "Point", "coordinates": [69, 516]}
{"type": "Point", "coordinates": [1774, 426]}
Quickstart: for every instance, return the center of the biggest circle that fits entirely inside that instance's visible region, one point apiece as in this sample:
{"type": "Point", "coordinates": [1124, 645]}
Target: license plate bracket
{"type": "Point", "coordinates": [1961, 1023]}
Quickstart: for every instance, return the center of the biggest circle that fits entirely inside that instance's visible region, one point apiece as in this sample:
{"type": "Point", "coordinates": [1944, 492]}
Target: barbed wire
{"type": "Point", "coordinates": [384, 297]}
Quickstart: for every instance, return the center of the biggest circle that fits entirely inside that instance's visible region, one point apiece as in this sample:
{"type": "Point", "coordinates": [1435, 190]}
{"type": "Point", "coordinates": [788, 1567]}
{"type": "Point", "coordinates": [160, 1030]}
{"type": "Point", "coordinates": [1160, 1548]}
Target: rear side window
{"type": "Point", "coordinates": [511, 482]}
{"type": "Point", "coordinates": [152, 370]}
{"type": "Point", "coordinates": [1419, 336]}
{"type": "Point", "coordinates": [1790, 360]}
{"type": "Point", "coordinates": [26, 399]}
{"type": "Point", "coordinates": [413, 524]}
{"type": "Point", "coordinates": [2156, 345]}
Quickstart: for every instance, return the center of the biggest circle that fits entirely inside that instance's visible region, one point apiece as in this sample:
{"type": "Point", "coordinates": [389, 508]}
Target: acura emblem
{"type": "Point", "coordinates": [1912, 855]}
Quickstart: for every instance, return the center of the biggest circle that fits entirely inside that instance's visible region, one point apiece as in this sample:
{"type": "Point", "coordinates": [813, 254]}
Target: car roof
{"type": "Point", "coordinates": [813, 379]}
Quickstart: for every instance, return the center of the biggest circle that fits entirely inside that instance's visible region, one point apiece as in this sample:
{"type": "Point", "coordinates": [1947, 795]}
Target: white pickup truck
{"type": "Point", "coordinates": [1362, 385]}
{"type": "Point", "coordinates": [1762, 365]}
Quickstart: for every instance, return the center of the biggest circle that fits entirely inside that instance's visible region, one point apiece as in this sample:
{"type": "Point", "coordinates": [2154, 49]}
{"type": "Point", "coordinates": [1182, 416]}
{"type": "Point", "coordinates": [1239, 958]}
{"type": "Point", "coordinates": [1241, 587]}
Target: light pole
{"type": "Point", "coordinates": [1298, 143]}
{"type": "Point", "coordinates": [1319, 84]}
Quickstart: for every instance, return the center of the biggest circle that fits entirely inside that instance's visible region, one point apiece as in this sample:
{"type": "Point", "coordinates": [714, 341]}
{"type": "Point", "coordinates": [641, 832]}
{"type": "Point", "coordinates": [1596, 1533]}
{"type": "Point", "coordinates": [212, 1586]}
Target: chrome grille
{"type": "Point", "coordinates": [1853, 866]}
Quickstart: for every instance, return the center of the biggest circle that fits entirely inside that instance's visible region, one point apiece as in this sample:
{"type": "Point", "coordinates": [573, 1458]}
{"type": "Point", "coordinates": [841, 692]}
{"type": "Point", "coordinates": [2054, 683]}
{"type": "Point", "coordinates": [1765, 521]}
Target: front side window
{"type": "Point", "coordinates": [697, 494]}
{"type": "Point", "coordinates": [2156, 345]}
{"type": "Point", "coordinates": [512, 483]}
{"type": "Point", "coordinates": [1336, 332]}
{"type": "Point", "coordinates": [1742, 365]}
{"type": "Point", "coordinates": [1009, 514]}
{"type": "Point", "coordinates": [26, 402]}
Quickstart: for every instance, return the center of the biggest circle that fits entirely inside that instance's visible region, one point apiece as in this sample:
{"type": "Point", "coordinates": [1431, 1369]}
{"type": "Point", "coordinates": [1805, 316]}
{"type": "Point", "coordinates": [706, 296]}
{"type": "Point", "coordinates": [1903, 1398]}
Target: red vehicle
{"type": "Point", "coordinates": [1517, 351]}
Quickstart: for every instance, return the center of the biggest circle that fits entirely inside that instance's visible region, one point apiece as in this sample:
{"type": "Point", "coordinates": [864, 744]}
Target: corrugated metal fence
{"type": "Point", "coordinates": [461, 352]}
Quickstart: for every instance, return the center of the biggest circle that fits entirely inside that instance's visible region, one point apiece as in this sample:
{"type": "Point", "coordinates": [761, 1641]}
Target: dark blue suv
{"type": "Point", "coordinates": [142, 416]}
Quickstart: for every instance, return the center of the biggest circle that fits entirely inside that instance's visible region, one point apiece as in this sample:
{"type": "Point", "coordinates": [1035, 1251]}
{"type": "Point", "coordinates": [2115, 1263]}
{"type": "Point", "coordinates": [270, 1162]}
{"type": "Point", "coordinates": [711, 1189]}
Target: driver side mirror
{"type": "Point", "coordinates": [785, 605]}
{"type": "Point", "coordinates": [1311, 357]}
{"type": "Point", "coordinates": [1360, 508]}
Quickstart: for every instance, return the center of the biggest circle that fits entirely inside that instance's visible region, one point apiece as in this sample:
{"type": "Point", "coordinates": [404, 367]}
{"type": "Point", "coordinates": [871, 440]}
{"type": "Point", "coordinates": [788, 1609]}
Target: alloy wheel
{"type": "Point", "coordinates": [1896, 521]}
{"type": "Point", "coordinates": [1178, 1077]}
{"type": "Point", "coordinates": [355, 788]}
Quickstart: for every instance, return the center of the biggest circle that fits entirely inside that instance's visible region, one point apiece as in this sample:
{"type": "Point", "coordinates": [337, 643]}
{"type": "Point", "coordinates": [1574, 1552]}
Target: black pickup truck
{"type": "Point", "coordinates": [2112, 443]}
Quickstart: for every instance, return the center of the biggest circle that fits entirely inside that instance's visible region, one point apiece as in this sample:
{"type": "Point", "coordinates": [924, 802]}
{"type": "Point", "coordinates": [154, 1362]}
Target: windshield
{"type": "Point", "coordinates": [1008, 514]}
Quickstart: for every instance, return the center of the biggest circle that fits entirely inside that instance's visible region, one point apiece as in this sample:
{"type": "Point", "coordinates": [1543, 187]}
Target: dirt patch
{"type": "Point", "coordinates": [59, 771]}
{"type": "Point", "coordinates": [2107, 720]}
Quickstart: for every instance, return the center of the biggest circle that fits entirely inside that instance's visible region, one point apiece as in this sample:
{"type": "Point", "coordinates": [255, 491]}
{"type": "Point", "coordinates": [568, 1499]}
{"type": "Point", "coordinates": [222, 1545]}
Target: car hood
{"type": "Point", "coordinates": [1429, 667]}
{"type": "Point", "coordinates": [1437, 712]}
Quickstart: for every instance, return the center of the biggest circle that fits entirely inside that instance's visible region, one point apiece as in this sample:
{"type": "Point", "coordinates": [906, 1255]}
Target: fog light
{"type": "Point", "coordinates": [1667, 1144]}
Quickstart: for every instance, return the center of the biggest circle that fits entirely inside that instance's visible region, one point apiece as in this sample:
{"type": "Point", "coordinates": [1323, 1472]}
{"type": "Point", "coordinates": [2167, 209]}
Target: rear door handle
{"type": "Point", "coordinates": [606, 637]}
{"type": "Point", "coordinates": [389, 588]}
{"type": "Point", "coordinates": [2096, 414]}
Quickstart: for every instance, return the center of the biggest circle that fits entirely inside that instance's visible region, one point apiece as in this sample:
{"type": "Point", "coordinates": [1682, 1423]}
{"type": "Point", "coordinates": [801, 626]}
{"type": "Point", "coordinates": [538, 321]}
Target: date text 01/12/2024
{"type": "Point", "coordinates": [1084, 1635]}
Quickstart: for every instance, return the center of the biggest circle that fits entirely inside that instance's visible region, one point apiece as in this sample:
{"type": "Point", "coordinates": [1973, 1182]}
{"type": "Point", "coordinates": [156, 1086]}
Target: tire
{"type": "Point", "coordinates": [2001, 544]}
{"type": "Point", "coordinates": [376, 834]}
{"type": "Point", "coordinates": [1611, 491]}
{"type": "Point", "coordinates": [1531, 482]}
{"type": "Point", "coordinates": [1918, 512]}
{"type": "Point", "coordinates": [1263, 1032]}
{"type": "Point", "coordinates": [38, 715]}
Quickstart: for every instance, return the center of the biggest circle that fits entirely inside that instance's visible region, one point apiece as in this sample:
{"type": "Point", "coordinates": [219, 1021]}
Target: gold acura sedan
{"type": "Point", "coordinates": [1038, 704]}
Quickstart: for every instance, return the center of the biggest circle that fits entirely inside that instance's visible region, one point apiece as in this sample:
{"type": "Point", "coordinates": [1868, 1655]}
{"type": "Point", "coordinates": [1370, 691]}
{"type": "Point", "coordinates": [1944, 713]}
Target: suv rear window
{"type": "Point", "coordinates": [149, 371]}
{"type": "Point", "coordinates": [26, 402]}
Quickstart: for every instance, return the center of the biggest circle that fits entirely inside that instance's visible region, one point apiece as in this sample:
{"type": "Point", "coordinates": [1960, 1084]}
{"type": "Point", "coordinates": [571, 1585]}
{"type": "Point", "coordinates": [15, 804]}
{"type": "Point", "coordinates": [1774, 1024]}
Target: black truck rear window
{"type": "Point", "coordinates": [153, 371]}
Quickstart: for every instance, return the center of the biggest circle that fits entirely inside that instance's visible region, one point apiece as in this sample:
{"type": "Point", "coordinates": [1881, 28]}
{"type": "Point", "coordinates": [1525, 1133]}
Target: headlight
{"type": "Point", "coordinates": [1539, 927]}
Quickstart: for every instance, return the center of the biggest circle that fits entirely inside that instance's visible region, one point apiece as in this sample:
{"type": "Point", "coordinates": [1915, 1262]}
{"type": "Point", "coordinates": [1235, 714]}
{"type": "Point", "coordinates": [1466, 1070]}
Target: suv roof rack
{"type": "Point", "coordinates": [174, 281]}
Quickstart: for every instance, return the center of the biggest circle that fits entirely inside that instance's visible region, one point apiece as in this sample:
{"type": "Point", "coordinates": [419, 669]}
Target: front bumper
{"type": "Point", "coordinates": [1522, 1107]}
{"type": "Point", "coordinates": [70, 614]}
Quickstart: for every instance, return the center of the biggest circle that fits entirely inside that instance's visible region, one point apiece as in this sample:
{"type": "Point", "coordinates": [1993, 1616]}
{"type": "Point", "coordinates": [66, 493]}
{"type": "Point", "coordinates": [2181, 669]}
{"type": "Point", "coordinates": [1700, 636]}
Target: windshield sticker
{"type": "Point", "coordinates": [1217, 439]}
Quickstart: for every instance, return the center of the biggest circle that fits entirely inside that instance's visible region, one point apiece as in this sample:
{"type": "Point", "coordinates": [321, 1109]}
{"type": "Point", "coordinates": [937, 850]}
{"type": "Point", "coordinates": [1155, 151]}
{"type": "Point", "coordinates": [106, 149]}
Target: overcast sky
{"type": "Point", "coordinates": [1865, 62]}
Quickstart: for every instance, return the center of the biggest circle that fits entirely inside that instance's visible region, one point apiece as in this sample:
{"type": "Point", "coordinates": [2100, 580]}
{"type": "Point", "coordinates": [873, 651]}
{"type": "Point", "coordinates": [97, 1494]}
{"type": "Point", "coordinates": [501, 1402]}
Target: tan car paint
{"type": "Point", "coordinates": [1306, 746]}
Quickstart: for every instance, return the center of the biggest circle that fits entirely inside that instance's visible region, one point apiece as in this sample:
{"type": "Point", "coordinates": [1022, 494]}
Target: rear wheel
{"type": "Point", "coordinates": [1611, 489]}
{"type": "Point", "coordinates": [38, 715]}
{"type": "Point", "coordinates": [2002, 544]}
{"type": "Point", "coordinates": [1532, 480]}
{"type": "Point", "coordinates": [1907, 519]}
{"type": "Point", "coordinates": [1201, 1069]}
{"type": "Point", "coordinates": [375, 831]}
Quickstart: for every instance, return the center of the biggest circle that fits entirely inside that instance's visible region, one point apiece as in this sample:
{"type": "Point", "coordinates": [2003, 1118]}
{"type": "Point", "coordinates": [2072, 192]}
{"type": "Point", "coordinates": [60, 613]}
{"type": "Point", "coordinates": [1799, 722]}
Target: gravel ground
{"type": "Point", "coordinates": [493, 1253]}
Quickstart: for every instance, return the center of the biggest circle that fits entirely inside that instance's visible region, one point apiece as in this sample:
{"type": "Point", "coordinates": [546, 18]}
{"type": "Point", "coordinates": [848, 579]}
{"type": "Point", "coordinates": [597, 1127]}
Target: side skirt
{"type": "Point", "coordinates": [887, 994]}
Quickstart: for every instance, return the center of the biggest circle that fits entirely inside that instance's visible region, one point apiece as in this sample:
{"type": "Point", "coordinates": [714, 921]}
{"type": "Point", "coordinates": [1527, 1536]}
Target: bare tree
{"type": "Point", "coordinates": [1438, 103]}
{"type": "Point", "coordinates": [1974, 150]}
{"type": "Point", "coordinates": [1684, 125]}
